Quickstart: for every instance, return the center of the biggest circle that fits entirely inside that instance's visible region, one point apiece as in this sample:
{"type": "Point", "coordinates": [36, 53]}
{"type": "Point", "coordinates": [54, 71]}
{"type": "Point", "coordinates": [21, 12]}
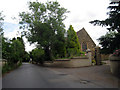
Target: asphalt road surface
{"type": "Point", "coordinates": [33, 76]}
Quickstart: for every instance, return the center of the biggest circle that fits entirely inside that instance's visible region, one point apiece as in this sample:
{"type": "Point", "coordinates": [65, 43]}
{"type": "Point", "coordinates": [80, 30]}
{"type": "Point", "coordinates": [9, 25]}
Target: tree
{"type": "Point", "coordinates": [26, 57]}
{"type": "Point", "coordinates": [6, 48]}
{"type": "Point", "coordinates": [73, 45]}
{"type": "Point", "coordinates": [113, 21]}
{"type": "Point", "coordinates": [17, 51]}
{"type": "Point", "coordinates": [1, 23]}
{"type": "Point", "coordinates": [1, 33]}
{"type": "Point", "coordinates": [38, 55]}
{"type": "Point", "coordinates": [45, 26]}
{"type": "Point", "coordinates": [13, 50]}
{"type": "Point", "coordinates": [110, 41]}
{"type": "Point", "coordinates": [59, 46]}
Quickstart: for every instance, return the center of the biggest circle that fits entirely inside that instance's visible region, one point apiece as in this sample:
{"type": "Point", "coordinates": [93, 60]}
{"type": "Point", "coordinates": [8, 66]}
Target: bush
{"type": "Point", "coordinates": [38, 55]}
{"type": "Point", "coordinates": [117, 53]}
{"type": "Point", "coordinates": [82, 53]}
{"type": "Point", "coordinates": [8, 67]}
{"type": "Point", "coordinates": [93, 61]}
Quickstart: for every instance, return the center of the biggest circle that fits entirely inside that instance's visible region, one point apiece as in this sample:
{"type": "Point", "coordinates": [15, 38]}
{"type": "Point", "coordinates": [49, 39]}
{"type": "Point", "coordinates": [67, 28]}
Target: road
{"type": "Point", "coordinates": [33, 76]}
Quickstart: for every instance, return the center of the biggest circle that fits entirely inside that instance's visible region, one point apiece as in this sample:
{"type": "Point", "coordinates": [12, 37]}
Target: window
{"type": "Point", "coordinates": [84, 46]}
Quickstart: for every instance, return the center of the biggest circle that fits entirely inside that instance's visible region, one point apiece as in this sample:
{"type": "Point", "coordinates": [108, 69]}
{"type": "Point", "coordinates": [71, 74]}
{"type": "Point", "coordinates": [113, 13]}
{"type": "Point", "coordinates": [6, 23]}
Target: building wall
{"type": "Point", "coordinates": [84, 37]}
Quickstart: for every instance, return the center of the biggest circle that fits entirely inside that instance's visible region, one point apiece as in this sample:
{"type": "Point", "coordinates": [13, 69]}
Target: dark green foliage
{"type": "Point", "coordinates": [6, 49]}
{"type": "Point", "coordinates": [110, 42]}
{"type": "Point", "coordinates": [45, 26]}
{"type": "Point", "coordinates": [59, 46]}
{"type": "Point", "coordinates": [73, 45]}
{"type": "Point", "coordinates": [13, 50]}
{"type": "Point", "coordinates": [1, 33]}
{"type": "Point", "coordinates": [17, 51]}
{"type": "Point", "coordinates": [1, 23]}
{"type": "Point", "coordinates": [113, 21]}
{"type": "Point", "coordinates": [8, 67]}
{"type": "Point", "coordinates": [38, 55]}
{"type": "Point", "coordinates": [26, 57]}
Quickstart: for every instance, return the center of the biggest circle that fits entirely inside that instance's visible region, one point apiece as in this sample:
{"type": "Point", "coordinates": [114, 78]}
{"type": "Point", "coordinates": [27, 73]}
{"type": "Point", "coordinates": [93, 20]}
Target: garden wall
{"type": "Point", "coordinates": [74, 62]}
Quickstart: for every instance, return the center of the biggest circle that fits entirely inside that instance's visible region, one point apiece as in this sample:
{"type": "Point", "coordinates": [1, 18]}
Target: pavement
{"type": "Point", "coordinates": [100, 76]}
{"type": "Point", "coordinates": [34, 76]}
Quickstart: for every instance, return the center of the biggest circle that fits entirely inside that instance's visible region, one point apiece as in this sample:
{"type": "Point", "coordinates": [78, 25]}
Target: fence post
{"type": "Point", "coordinates": [97, 56]}
{"type": "Point", "coordinates": [89, 54]}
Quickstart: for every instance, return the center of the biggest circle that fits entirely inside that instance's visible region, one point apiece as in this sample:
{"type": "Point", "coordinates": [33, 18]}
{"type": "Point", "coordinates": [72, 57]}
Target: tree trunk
{"type": "Point", "coordinates": [48, 55]}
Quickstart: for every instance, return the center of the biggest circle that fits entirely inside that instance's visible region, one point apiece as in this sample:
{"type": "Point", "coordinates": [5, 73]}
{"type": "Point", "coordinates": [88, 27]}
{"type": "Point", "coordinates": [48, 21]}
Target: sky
{"type": "Point", "coordinates": [81, 13]}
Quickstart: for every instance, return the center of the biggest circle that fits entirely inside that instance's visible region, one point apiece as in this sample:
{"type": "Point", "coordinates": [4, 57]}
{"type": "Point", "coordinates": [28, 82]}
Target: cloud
{"type": "Point", "coordinates": [28, 47]}
{"type": "Point", "coordinates": [81, 12]}
{"type": "Point", "coordinates": [9, 27]}
{"type": "Point", "coordinates": [114, 0]}
{"type": "Point", "coordinates": [12, 30]}
{"type": "Point", "coordinates": [95, 32]}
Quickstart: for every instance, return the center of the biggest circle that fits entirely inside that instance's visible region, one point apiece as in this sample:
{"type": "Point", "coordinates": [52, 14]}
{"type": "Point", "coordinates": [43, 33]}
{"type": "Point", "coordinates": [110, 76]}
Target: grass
{"type": "Point", "coordinates": [8, 67]}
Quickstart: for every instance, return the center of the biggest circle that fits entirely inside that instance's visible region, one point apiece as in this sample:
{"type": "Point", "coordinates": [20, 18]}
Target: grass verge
{"type": "Point", "coordinates": [8, 67]}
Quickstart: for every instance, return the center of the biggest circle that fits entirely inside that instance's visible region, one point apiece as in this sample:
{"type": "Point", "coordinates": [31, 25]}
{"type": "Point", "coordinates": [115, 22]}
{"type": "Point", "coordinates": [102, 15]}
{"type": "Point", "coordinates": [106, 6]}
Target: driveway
{"type": "Point", "coordinates": [33, 76]}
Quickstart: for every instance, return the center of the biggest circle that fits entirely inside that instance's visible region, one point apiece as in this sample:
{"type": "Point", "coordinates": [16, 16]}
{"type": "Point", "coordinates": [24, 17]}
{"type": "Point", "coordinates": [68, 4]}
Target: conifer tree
{"type": "Point", "coordinates": [73, 45]}
{"type": "Point", "coordinates": [113, 21]}
{"type": "Point", "coordinates": [110, 41]}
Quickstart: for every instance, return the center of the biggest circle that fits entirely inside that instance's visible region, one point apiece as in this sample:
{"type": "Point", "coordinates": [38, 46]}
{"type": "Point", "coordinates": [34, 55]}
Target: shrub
{"type": "Point", "coordinates": [117, 53]}
{"type": "Point", "coordinates": [10, 66]}
{"type": "Point", "coordinates": [82, 53]}
{"type": "Point", "coordinates": [38, 55]}
{"type": "Point", "coordinates": [93, 61]}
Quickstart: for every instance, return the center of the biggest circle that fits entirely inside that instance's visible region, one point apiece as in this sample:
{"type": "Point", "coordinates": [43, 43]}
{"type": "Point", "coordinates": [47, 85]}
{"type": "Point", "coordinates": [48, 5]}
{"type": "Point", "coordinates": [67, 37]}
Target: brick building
{"type": "Point", "coordinates": [85, 40]}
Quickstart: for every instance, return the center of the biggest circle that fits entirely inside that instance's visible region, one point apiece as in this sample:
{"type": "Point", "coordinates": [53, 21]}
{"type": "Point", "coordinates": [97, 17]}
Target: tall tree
{"type": "Point", "coordinates": [59, 46]}
{"type": "Point", "coordinates": [6, 48]}
{"type": "Point", "coordinates": [73, 45]}
{"type": "Point", "coordinates": [44, 23]}
{"type": "Point", "coordinates": [1, 22]}
{"type": "Point", "coordinates": [38, 55]}
{"type": "Point", "coordinates": [113, 21]}
{"type": "Point", "coordinates": [110, 41]}
{"type": "Point", "coordinates": [17, 51]}
{"type": "Point", "coordinates": [1, 33]}
{"type": "Point", "coordinates": [13, 50]}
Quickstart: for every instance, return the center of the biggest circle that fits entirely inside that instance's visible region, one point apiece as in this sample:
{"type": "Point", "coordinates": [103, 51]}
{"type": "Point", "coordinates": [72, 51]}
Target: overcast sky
{"type": "Point", "coordinates": [81, 12]}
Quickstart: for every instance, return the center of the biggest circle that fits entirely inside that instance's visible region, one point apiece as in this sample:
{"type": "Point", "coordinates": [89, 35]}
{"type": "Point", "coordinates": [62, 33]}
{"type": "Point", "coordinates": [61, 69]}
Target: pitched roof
{"type": "Point", "coordinates": [80, 33]}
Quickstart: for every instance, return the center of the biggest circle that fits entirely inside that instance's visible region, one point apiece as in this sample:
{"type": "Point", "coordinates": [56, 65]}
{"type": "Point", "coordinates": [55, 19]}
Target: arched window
{"type": "Point", "coordinates": [84, 46]}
